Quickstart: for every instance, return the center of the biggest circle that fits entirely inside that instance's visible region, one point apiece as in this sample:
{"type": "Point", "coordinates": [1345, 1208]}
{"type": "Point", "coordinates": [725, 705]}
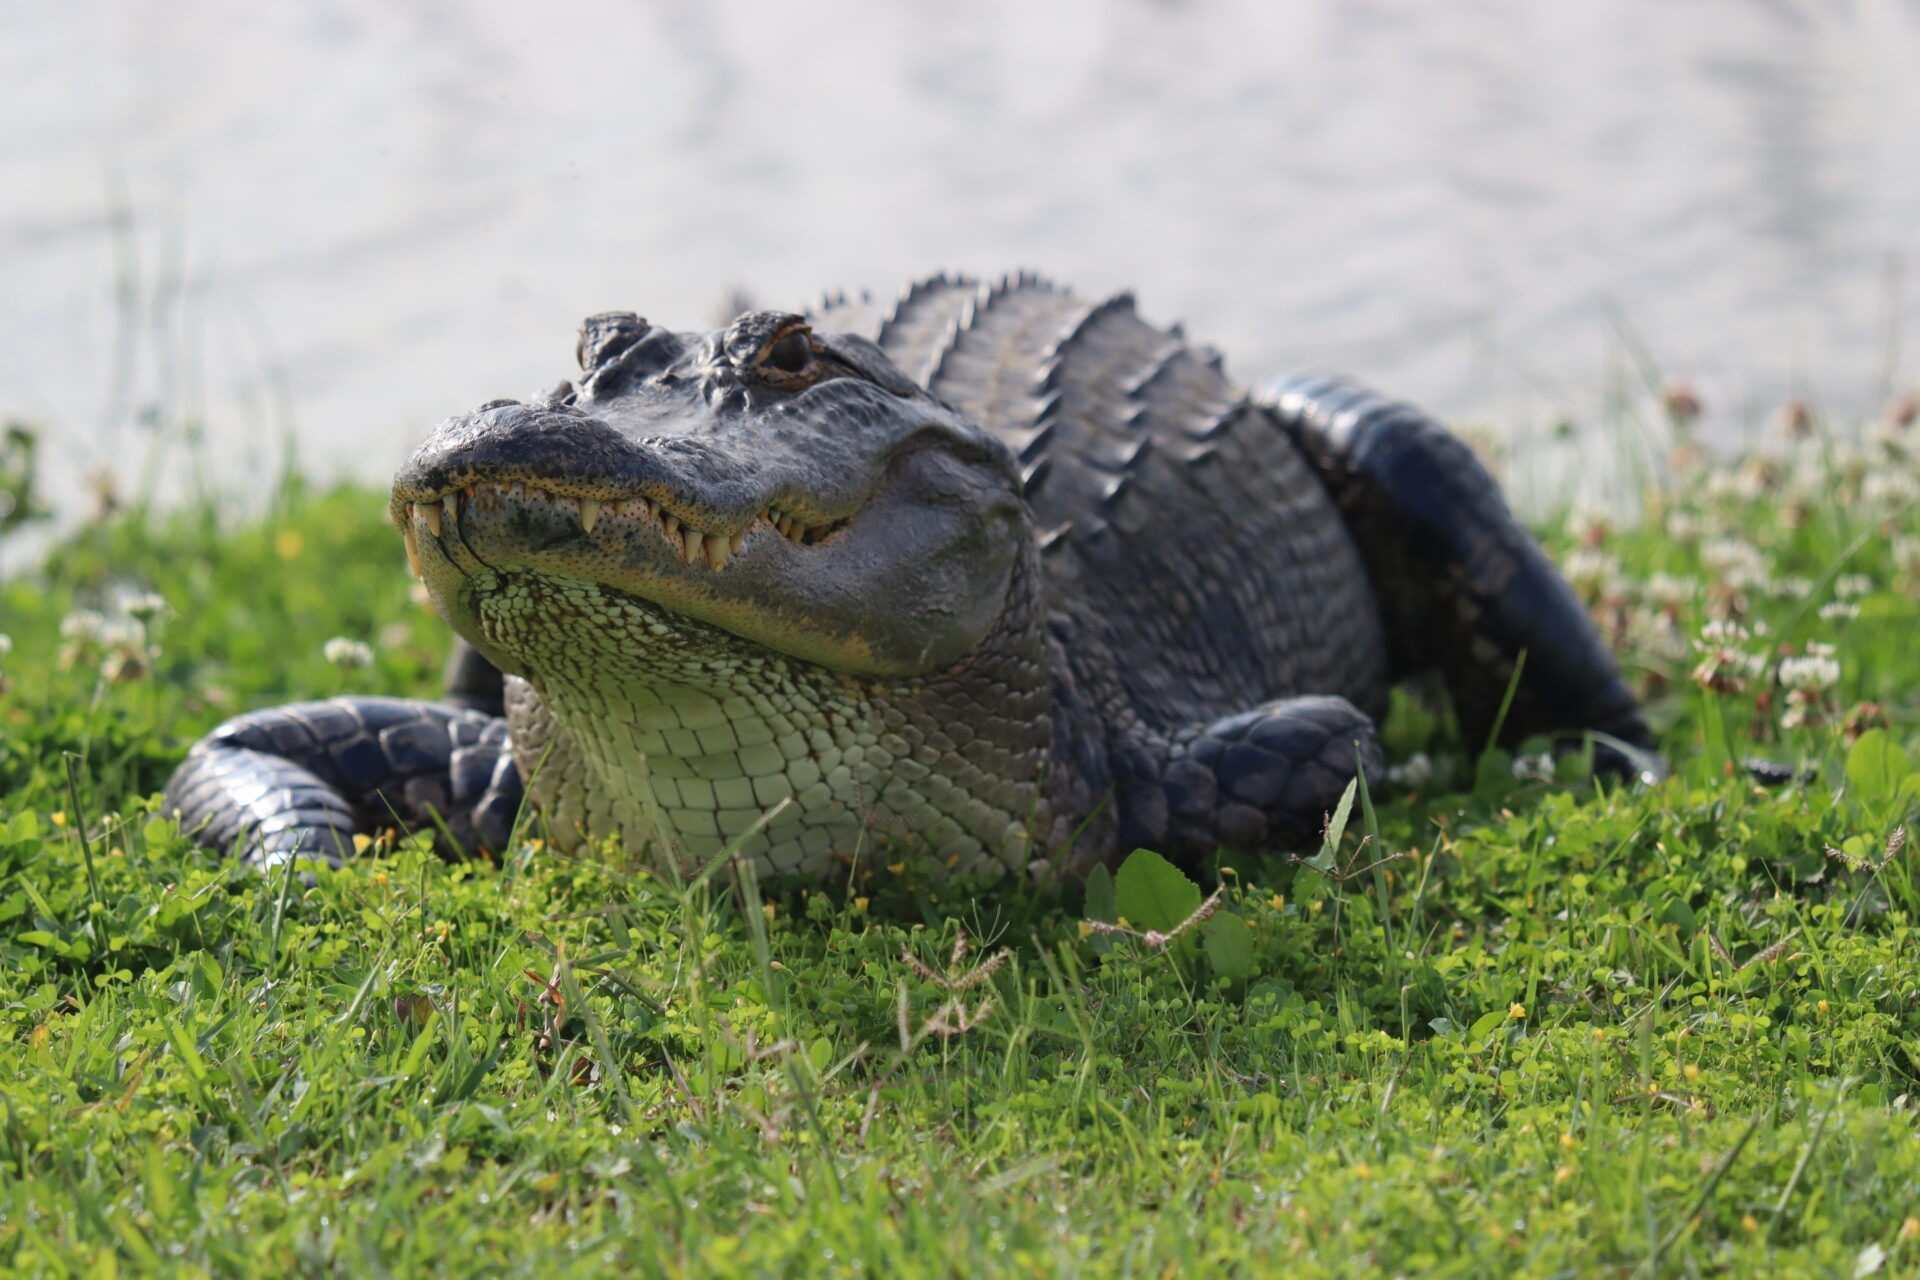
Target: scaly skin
{"type": "Point", "coordinates": [997, 575]}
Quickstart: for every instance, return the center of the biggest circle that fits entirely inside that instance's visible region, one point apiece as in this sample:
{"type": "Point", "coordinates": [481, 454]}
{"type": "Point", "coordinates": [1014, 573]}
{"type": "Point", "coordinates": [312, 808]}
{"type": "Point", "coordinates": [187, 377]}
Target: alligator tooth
{"type": "Point", "coordinates": [413, 550]}
{"type": "Point", "coordinates": [538, 495]}
{"type": "Point", "coordinates": [589, 512]}
{"type": "Point", "coordinates": [695, 545]}
{"type": "Point", "coordinates": [515, 490]}
{"type": "Point", "coordinates": [717, 552]}
{"type": "Point", "coordinates": [430, 512]}
{"type": "Point", "coordinates": [785, 526]}
{"type": "Point", "coordinates": [472, 491]}
{"type": "Point", "coordinates": [451, 503]}
{"type": "Point", "coordinates": [736, 542]}
{"type": "Point", "coordinates": [672, 524]}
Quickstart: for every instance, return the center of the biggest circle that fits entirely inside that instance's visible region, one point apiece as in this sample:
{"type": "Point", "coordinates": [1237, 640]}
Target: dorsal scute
{"type": "Point", "coordinates": [921, 322]}
{"type": "Point", "coordinates": [1088, 395]}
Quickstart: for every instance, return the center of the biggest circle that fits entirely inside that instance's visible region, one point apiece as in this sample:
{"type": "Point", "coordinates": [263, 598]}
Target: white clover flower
{"type": "Point", "coordinates": [1791, 587]}
{"type": "Point", "coordinates": [121, 633]}
{"type": "Point", "coordinates": [347, 654]}
{"type": "Point", "coordinates": [1415, 771]}
{"type": "Point", "coordinates": [145, 606]}
{"type": "Point", "coordinates": [1670, 590]}
{"type": "Point", "coordinates": [1808, 482]}
{"type": "Point", "coordinates": [1851, 585]}
{"type": "Point", "coordinates": [1592, 571]}
{"type": "Point", "coordinates": [1736, 562]}
{"type": "Point", "coordinates": [1810, 673]}
{"type": "Point", "coordinates": [1537, 768]}
{"type": "Point", "coordinates": [1820, 649]}
{"type": "Point", "coordinates": [1839, 611]}
{"type": "Point", "coordinates": [1725, 666]}
{"type": "Point", "coordinates": [1590, 525]}
{"type": "Point", "coordinates": [1658, 635]}
{"type": "Point", "coordinates": [1683, 526]}
{"type": "Point", "coordinates": [1723, 631]}
{"type": "Point", "coordinates": [1888, 489]}
{"type": "Point", "coordinates": [82, 626]}
{"type": "Point", "coordinates": [1906, 554]}
{"type": "Point", "coordinates": [6, 644]}
{"type": "Point", "coordinates": [1724, 489]}
{"type": "Point", "coordinates": [1889, 439]}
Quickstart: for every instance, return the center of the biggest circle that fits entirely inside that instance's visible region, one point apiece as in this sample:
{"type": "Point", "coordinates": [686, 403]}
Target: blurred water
{"type": "Point", "coordinates": [363, 215]}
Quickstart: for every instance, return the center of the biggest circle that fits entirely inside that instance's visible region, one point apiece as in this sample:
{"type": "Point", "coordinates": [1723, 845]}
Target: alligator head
{"type": "Point", "coordinates": [763, 497]}
{"type": "Point", "coordinates": [794, 489]}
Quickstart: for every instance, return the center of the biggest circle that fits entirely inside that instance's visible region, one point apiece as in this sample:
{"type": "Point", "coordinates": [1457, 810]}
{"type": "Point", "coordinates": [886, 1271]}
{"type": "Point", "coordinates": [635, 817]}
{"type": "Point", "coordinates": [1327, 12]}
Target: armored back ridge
{"type": "Point", "coordinates": [993, 573]}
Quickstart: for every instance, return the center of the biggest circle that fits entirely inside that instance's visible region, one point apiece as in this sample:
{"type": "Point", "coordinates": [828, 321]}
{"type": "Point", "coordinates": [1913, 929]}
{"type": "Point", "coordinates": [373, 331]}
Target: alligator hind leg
{"type": "Point", "coordinates": [1263, 779]}
{"type": "Point", "coordinates": [1462, 584]}
{"type": "Point", "coordinates": [305, 779]}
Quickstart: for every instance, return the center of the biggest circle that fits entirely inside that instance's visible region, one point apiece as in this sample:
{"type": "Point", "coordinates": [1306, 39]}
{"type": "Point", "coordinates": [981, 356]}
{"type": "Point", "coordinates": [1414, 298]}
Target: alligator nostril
{"type": "Point", "coordinates": [606, 335]}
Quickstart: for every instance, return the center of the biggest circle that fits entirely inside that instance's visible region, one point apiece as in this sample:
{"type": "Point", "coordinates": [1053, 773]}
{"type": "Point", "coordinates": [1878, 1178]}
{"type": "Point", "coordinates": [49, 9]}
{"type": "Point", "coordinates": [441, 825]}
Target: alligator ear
{"type": "Point", "coordinates": [869, 361]}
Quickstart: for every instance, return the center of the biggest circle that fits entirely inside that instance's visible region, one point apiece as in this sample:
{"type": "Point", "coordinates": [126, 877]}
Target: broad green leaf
{"type": "Point", "coordinates": [1493, 774]}
{"type": "Point", "coordinates": [1876, 765]}
{"type": "Point", "coordinates": [1103, 906]}
{"type": "Point", "coordinates": [1229, 947]}
{"type": "Point", "coordinates": [1337, 825]}
{"type": "Point", "coordinates": [1486, 1024]}
{"type": "Point", "coordinates": [1100, 901]}
{"type": "Point", "coordinates": [207, 978]}
{"type": "Point", "coordinates": [1151, 893]}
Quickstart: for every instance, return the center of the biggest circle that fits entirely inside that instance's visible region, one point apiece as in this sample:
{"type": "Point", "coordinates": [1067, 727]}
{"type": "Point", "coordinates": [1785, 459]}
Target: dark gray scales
{"type": "Point", "coordinates": [1226, 586]}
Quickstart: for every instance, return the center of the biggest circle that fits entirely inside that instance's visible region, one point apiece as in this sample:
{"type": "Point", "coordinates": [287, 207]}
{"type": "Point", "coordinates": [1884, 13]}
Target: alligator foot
{"type": "Point", "coordinates": [1263, 779]}
{"type": "Point", "coordinates": [305, 779]}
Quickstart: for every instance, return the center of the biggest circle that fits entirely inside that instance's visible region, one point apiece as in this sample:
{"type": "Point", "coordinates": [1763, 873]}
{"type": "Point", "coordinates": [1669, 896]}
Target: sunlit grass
{"type": "Point", "coordinates": [1570, 1028]}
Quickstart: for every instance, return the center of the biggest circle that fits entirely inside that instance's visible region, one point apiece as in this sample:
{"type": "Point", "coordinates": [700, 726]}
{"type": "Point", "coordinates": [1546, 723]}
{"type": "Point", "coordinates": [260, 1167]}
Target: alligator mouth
{"type": "Point", "coordinates": [681, 535]}
{"type": "Point", "coordinates": [894, 565]}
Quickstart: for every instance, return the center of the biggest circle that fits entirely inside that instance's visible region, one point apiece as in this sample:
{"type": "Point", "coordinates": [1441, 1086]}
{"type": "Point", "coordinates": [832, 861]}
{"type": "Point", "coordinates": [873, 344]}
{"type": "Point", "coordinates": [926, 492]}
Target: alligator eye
{"type": "Point", "coordinates": [791, 353]}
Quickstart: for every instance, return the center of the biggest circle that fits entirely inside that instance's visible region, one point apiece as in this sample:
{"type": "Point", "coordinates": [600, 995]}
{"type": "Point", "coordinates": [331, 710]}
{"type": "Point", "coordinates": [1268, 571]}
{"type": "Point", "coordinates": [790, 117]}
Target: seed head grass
{"type": "Point", "coordinates": [1510, 1018]}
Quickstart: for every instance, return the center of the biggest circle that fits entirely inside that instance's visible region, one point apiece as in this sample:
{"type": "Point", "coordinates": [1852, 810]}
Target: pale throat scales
{"type": "Point", "coordinates": [634, 723]}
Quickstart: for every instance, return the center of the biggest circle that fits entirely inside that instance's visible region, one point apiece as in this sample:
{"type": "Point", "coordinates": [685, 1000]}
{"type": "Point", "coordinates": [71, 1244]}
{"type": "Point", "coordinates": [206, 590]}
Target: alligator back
{"type": "Point", "coordinates": [1195, 564]}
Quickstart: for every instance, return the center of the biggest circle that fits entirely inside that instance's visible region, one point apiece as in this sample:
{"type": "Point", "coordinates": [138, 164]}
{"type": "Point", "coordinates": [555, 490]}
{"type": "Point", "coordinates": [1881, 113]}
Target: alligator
{"type": "Point", "coordinates": [992, 574]}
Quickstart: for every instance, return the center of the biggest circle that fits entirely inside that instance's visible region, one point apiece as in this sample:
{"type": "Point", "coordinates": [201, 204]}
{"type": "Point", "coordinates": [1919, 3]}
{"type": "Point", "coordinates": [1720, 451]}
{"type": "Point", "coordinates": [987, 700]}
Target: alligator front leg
{"type": "Point", "coordinates": [1263, 779]}
{"type": "Point", "coordinates": [305, 779]}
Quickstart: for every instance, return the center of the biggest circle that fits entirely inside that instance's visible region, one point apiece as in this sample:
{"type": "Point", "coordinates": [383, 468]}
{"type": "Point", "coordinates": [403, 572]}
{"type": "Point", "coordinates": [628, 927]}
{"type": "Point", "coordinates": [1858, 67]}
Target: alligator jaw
{"type": "Point", "coordinates": [432, 513]}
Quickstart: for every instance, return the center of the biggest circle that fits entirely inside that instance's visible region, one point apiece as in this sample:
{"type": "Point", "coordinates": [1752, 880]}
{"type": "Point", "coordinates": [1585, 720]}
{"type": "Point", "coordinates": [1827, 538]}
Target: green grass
{"type": "Point", "coordinates": [1572, 1029]}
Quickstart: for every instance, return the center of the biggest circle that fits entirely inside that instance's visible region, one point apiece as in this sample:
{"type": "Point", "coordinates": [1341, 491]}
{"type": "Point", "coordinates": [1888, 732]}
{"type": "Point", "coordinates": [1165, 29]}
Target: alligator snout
{"type": "Point", "coordinates": [505, 440]}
